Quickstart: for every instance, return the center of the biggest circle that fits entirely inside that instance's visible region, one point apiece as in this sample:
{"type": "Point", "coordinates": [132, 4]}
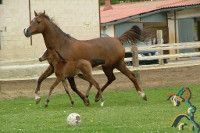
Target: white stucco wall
{"type": "Point", "coordinates": [109, 30]}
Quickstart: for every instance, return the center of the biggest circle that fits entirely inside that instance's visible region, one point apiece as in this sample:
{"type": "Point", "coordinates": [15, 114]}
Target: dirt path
{"type": "Point", "coordinates": [149, 78]}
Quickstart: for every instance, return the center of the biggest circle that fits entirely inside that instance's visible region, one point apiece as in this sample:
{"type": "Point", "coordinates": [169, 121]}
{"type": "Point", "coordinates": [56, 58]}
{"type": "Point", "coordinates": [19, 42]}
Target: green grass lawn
{"type": "Point", "coordinates": [123, 112]}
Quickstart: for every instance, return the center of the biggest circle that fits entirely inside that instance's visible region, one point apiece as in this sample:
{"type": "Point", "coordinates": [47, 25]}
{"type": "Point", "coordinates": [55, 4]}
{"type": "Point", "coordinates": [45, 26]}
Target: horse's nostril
{"type": "Point", "coordinates": [40, 59]}
{"type": "Point", "coordinates": [27, 33]}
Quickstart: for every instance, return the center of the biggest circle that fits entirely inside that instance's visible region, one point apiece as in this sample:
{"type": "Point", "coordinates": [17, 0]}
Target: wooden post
{"type": "Point", "coordinates": [159, 37]}
{"type": "Point", "coordinates": [160, 41]}
{"type": "Point", "coordinates": [0, 39]}
{"type": "Point", "coordinates": [29, 5]}
{"type": "Point", "coordinates": [135, 61]}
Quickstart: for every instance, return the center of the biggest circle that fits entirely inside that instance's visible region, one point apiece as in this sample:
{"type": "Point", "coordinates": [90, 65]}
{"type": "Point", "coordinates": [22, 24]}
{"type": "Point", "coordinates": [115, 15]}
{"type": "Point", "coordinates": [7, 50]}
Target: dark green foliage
{"type": "Point", "coordinates": [102, 2]}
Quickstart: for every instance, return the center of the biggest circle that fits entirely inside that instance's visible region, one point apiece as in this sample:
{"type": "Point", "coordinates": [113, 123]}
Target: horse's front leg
{"type": "Point", "coordinates": [46, 74]}
{"type": "Point", "coordinates": [67, 91]}
{"type": "Point", "coordinates": [51, 89]}
{"type": "Point", "coordinates": [74, 88]}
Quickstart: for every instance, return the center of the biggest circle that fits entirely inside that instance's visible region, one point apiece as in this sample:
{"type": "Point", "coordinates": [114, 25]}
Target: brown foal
{"type": "Point", "coordinates": [66, 69]}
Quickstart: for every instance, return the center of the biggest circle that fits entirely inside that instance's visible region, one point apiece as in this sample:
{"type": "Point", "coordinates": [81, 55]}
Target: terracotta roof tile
{"type": "Point", "coordinates": [125, 10]}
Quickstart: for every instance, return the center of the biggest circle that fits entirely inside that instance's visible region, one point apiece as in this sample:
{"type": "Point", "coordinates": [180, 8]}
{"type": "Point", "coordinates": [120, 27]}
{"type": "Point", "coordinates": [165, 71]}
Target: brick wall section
{"type": "Point", "coordinates": [72, 16]}
{"type": "Point", "coordinates": [13, 17]}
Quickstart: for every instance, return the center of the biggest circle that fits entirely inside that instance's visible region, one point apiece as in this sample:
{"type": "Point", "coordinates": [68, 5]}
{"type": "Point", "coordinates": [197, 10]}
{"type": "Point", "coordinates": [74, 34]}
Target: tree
{"type": "Point", "coordinates": [102, 2]}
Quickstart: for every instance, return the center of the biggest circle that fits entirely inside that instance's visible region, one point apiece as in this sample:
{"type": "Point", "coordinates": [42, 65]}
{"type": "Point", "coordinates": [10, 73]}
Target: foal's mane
{"type": "Point", "coordinates": [53, 22]}
{"type": "Point", "coordinates": [60, 56]}
{"type": "Point", "coordinates": [56, 52]}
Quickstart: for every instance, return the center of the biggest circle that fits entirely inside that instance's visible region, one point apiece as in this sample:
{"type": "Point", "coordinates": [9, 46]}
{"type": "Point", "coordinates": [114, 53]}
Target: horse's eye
{"type": "Point", "coordinates": [38, 22]}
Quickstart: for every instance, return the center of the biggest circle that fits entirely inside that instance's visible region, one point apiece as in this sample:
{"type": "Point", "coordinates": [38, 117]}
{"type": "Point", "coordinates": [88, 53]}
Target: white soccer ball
{"type": "Point", "coordinates": [74, 119]}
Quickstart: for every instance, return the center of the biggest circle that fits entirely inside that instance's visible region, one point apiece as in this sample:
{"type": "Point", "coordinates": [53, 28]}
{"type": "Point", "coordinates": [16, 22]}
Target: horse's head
{"type": "Point", "coordinates": [37, 25]}
{"type": "Point", "coordinates": [51, 55]}
{"type": "Point", "coordinates": [45, 56]}
{"type": "Point", "coordinates": [48, 55]}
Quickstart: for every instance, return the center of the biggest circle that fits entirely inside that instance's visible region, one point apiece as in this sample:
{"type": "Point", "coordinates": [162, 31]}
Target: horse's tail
{"type": "Point", "coordinates": [132, 35]}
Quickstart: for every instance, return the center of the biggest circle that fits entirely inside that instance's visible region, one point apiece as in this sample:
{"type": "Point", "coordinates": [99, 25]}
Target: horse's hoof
{"type": "Point", "coordinates": [102, 103]}
{"type": "Point", "coordinates": [86, 102]}
{"type": "Point", "coordinates": [72, 104]}
{"type": "Point", "coordinates": [143, 95]}
{"type": "Point", "coordinates": [145, 98]}
{"type": "Point", "coordinates": [37, 100]}
{"type": "Point", "coordinates": [46, 105]}
{"type": "Point", "coordinates": [97, 98]}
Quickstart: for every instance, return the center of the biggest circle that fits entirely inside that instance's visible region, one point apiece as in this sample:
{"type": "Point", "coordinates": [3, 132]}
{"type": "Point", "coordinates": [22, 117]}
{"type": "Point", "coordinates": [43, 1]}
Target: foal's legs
{"type": "Point", "coordinates": [67, 91]}
{"type": "Point", "coordinates": [93, 82]}
{"type": "Point", "coordinates": [122, 67]}
{"type": "Point", "coordinates": [74, 88]}
{"type": "Point", "coordinates": [90, 85]}
{"type": "Point", "coordinates": [46, 74]}
{"type": "Point", "coordinates": [86, 69]}
{"type": "Point", "coordinates": [110, 76]}
{"type": "Point", "coordinates": [88, 90]}
{"type": "Point", "coordinates": [51, 89]}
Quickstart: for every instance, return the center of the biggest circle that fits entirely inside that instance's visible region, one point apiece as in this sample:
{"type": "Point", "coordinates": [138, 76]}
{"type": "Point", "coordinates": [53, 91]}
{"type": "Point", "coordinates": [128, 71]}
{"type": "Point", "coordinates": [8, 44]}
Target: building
{"type": "Point", "coordinates": [18, 54]}
{"type": "Point", "coordinates": [78, 18]}
{"type": "Point", "coordinates": [178, 19]}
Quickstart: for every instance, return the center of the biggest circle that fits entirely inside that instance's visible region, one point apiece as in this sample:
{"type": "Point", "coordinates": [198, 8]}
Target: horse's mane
{"type": "Point", "coordinates": [53, 22]}
{"type": "Point", "coordinates": [60, 56]}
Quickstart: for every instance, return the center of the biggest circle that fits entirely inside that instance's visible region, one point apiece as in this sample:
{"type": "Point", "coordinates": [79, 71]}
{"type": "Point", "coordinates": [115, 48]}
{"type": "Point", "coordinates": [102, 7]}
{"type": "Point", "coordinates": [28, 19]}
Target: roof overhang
{"type": "Point", "coordinates": [148, 14]}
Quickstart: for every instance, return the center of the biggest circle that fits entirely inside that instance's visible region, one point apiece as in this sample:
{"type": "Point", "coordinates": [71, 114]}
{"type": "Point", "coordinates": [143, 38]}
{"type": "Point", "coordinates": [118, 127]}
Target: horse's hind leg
{"type": "Point", "coordinates": [93, 82]}
{"type": "Point", "coordinates": [110, 76]}
{"type": "Point", "coordinates": [88, 90]}
{"type": "Point", "coordinates": [46, 74]}
{"type": "Point", "coordinates": [122, 67]}
{"type": "Point", "coordinates": [99, 90]}
{"type": "Point", "coordinates": [90, 85]}
{"type": "Point", "coordinates": [67, 91]}
{"type": "Point", "coordinates": [74, 88]}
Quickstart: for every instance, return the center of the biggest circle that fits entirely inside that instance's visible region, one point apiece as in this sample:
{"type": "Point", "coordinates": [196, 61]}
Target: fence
{"type": "Point", "coordinates": [160, 48]}
{"type": "Point", "coordinates": [31, 69]}
{"type": "Point", "coordinates": [0, 39]}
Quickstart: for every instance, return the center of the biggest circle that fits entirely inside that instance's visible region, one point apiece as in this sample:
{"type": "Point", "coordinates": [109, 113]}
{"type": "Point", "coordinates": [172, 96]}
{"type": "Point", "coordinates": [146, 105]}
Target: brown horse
{"type": "Point", "coordinates": [109, 49]}
{"type": "Point", "coordinates": [66, 68]}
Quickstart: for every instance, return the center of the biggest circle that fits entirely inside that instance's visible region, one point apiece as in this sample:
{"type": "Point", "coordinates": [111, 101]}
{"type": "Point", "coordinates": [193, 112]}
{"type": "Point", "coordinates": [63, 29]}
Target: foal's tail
{"type": "Point", "coordinates": [132, 35]}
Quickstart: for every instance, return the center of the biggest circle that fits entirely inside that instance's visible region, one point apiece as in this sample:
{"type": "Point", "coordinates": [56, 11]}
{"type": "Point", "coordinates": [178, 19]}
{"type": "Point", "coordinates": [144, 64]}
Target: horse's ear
{"type": "Point", "coordinates": [43, 14]}
{"type": "Point", "coordinates": [35, 13]}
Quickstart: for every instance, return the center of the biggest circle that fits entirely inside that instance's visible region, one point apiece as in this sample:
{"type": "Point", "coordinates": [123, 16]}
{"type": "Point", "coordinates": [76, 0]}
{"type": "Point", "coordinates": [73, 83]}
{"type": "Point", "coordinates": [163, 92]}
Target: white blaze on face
{"type": "Point", "coordinates": [25, 30]}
